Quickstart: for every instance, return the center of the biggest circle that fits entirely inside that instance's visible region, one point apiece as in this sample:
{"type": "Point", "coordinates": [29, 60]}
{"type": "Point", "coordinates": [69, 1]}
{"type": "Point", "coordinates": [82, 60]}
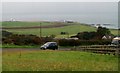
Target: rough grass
{"type": "Point", "coordinates": [49, 60]}
{"type": "Point", "coordinates": [0, 60]}
{"type": "Point", "coordinates": [0, 57]}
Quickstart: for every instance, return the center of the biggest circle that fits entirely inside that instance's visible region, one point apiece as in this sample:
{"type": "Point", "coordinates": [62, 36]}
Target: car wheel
{"type": "Point", "coordinates": [53, 48]}
{"type": "Point", "coordinates": [44, 48]}
{"type": "Point", "coordinates": [56, 48]}
{"type": "Point", "coordinates": [41, 48]}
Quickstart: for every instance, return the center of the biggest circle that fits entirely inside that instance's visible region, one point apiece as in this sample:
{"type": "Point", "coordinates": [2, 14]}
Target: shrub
{"type": "Point", "coordinates": [18, 39]}
{"type": "Point", "coordinates": [65, 42]}
{"type": "Point", "coordinates": [6, 33]}
{"type": "Point", "coordinates": [21, 39]}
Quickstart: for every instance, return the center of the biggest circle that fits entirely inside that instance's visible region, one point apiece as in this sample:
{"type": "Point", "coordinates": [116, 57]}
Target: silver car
{"type": "Point", "coordinates": [49, 45]}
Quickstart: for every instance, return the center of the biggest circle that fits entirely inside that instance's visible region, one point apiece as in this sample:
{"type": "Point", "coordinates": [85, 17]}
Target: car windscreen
{"type": "Point", "coordinates": [52, 44]}
{"type": "Point", "coordinates": [46, 44]}
{"type": "Point", "coordinates": [116, 42]}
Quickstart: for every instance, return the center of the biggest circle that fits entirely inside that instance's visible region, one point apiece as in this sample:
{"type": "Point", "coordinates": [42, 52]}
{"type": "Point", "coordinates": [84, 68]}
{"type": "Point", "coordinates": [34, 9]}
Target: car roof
{"type": "Point", "coordinates": [51, 42]}
{"type": "Point", "coordinates": [116, 38]}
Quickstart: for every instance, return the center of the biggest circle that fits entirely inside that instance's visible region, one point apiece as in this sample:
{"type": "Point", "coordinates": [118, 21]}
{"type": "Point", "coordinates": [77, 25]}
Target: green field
{"type": "Point", "coordinates": [25, 24]}
{"type": "Point", "coordinates": [49, 60]}
{"type": "Point", "coordinates": [71, 29]}
{"type": "Point", "coordinates": [115, 31]}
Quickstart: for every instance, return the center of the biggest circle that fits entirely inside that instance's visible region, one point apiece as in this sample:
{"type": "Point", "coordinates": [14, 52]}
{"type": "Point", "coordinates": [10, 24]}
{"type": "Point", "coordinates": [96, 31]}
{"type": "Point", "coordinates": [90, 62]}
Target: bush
{"type": "Point", "coordinates": [6, 33]}
{"type": "Point", "coordinates": [47, 39]}
{"type": "Point", "coordinates": [65, 42]}
{"type": "Point", "coordinates": [22, 40]}
{"type": "Point", "coordinates": [7, 41]}
{"type": "Point", "coordinates": [18, 39]}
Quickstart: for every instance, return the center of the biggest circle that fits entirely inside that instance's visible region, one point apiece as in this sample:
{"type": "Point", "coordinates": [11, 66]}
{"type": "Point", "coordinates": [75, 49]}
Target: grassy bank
{"type": "Point", "coordinates": [50, 60]}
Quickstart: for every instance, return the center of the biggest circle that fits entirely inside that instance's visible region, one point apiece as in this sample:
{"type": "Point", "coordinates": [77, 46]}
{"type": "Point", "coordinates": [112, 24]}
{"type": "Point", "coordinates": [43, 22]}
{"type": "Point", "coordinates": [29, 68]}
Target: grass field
{"type": "Point", "coordinates": [49, 60]}
{"type": "Point", "coordinates": [25, 24]}
{"type": "Point", "coordinates": [71, 29]}
{"type": "Point", "coordinates": [115, 31]}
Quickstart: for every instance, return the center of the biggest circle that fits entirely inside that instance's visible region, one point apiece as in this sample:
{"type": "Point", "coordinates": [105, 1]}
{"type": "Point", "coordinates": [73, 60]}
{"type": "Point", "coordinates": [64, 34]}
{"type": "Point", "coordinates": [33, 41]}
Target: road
{"type": "Point", "coordinates": [29, 49]}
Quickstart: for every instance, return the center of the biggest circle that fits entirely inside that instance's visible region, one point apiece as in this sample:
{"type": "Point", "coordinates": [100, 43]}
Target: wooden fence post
{"type": "Point", "coordinates": [117, 51]}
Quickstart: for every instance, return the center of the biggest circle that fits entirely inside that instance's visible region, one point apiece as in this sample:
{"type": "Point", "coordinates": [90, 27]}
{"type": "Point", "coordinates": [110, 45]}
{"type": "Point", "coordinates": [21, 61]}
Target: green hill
{"type": "Point", "coordinates": [71, 28]}
{"type": "Point", "coordinates": [24, 24]}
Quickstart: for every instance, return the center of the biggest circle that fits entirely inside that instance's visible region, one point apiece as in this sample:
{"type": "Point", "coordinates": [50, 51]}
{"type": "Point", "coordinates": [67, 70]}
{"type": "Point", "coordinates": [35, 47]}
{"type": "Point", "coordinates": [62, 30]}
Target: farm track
{"type": "Point", "coordinates": [29, 49]}
{"type": "Point", "coordinates": [34, 27]}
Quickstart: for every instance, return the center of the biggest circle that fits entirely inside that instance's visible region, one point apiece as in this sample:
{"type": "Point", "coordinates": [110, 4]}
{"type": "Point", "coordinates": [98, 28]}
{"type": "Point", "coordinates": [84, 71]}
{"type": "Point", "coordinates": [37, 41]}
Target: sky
{"type": "Point", "coordinates": [59, 0]}
{"type": "Point", "coordinates": [59, 7]}
{"type": "Point", "coordinates": [89, 11]}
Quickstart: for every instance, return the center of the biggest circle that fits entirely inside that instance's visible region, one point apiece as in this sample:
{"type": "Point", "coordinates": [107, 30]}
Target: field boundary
{"type": "Point", "coordinates": [101, 49]}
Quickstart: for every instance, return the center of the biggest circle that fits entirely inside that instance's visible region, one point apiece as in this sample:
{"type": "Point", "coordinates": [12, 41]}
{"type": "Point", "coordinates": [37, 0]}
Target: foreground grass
{"type": "Point", "coordinates": [49, 60]}
{"type": "Point", "coordinates": [0, 59]}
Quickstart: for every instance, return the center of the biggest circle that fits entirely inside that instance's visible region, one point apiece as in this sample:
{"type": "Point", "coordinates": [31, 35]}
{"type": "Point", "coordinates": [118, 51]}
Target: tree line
{"type": "Point", "coordinates": [84, 38]}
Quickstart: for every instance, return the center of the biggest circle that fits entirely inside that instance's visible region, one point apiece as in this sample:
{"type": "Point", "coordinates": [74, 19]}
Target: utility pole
{"type": "Point", "coordinates": [68, 34]}
{"type": "Point", "coordinates": [40, 34]}
{"type": "Point", "coordinates": [40, 31]}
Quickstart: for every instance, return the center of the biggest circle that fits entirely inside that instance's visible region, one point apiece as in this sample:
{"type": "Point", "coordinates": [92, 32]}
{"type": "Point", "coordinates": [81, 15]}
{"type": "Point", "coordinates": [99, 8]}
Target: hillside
{"type": "Point", "coordinates": [48, 28]}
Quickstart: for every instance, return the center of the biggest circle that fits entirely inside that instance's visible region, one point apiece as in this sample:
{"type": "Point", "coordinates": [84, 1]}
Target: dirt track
{"type": "Point", "coordinates": [29, 49]}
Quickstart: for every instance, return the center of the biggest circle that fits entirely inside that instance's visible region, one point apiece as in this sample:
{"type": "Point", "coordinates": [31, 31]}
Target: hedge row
{"type": "Point", "coordinates": [25, 40]}
{"type": "Point", "coordinates": [34, 40]}
{"type": "Point", "coordinates": [65, 42]}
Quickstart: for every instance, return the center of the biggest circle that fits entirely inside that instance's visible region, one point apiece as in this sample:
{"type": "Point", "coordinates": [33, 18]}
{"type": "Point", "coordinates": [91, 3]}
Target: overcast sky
{"type": "Point", "coordinates": [60, 0]}
{"type": "Point", "coordinates": [59, 7]}
{"type": "Point", "coordinates": [76, 9]}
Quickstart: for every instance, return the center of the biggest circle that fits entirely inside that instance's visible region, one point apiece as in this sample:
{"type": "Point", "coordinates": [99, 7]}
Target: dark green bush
{"type": "Point", "coordinates": [65, 42]}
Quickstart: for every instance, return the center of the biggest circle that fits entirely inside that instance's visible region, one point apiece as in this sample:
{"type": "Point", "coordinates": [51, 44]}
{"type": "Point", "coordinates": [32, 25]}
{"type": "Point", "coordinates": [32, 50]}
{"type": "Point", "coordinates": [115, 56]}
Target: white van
{"type": "Point", "coordinates": [116, 41]}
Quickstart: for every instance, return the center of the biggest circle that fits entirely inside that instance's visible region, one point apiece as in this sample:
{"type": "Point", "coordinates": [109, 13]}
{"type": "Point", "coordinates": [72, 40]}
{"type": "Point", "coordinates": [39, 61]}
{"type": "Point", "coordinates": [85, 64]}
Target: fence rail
{"type": "Point", "coordinates": [101, 49]}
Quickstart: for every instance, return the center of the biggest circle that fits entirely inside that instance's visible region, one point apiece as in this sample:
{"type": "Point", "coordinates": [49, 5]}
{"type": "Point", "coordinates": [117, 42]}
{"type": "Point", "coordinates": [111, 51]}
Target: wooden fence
{"type": "Point", "coordinates": [101, 49]}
